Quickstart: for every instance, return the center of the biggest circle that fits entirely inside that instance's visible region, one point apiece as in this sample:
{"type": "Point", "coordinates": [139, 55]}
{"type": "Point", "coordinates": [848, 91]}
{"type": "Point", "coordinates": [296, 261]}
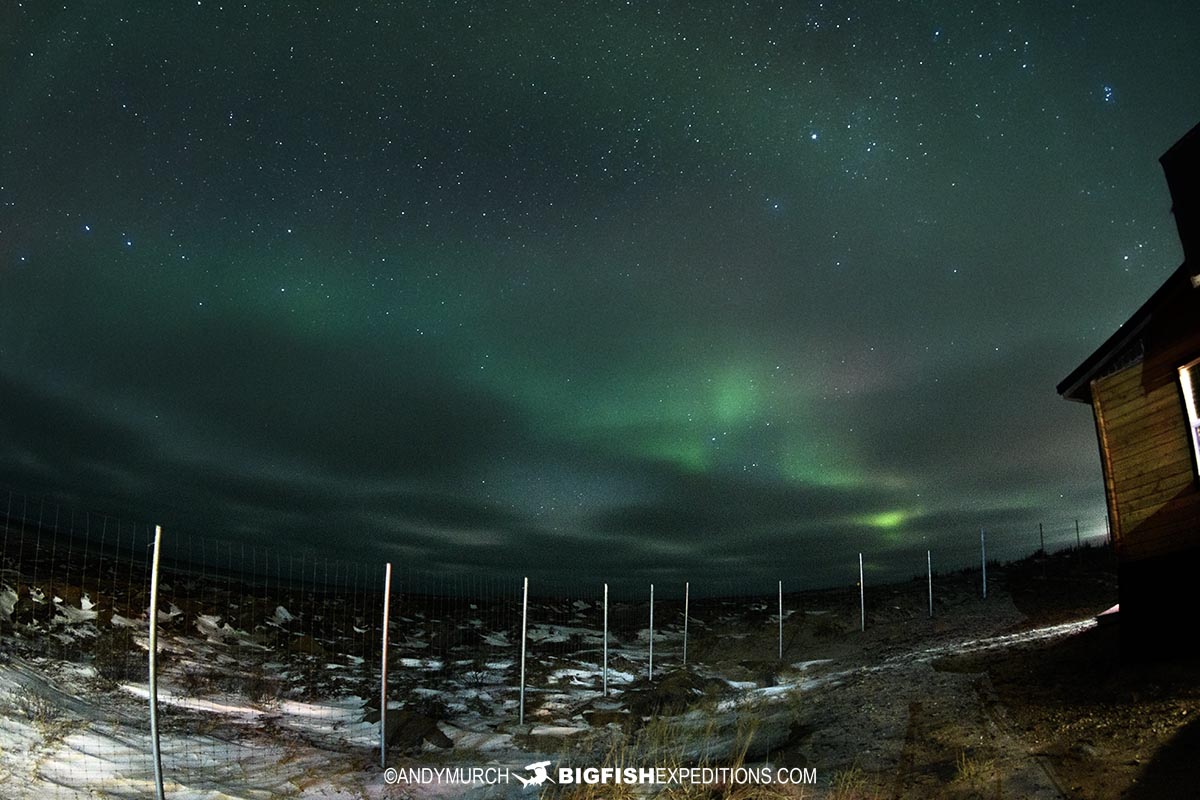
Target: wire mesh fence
{"type": "Point", "coordinates": [73, 591]}
{"type": "Point", "coordinates": [275, 657]}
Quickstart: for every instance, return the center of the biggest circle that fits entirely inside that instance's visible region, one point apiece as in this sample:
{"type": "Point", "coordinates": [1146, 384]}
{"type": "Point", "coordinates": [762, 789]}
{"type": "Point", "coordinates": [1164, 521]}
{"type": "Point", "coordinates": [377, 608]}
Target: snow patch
{"type": "Point", "coordinates": [8, 602]}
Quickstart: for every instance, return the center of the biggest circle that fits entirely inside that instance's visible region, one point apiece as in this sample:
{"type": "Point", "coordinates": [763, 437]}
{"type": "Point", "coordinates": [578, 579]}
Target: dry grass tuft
{"type": "Point", "coordinates": [666, 743]}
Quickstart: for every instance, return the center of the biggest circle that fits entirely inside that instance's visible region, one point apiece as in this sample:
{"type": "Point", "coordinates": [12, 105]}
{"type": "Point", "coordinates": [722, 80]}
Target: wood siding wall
{"type": "Point", "coordinates": [1149, 471]}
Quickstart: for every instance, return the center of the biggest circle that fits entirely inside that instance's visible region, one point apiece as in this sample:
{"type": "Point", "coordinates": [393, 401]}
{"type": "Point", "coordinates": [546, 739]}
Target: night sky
{"type": "Point", "coordinates": [617, 291]}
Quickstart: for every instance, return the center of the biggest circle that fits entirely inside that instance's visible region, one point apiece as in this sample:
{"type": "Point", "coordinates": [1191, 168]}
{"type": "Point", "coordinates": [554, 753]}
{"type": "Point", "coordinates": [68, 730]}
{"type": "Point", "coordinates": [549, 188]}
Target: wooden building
{"type": "Point", "coordinates": [1143, 385]}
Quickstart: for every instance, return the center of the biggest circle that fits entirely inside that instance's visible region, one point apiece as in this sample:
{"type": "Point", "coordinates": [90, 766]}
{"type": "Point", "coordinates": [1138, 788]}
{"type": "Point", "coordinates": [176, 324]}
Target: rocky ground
{"type": "Point", "coordinates": [1098, 725]}
{"type": "Point", "coordinates": [1019, 695]}
{"type": "Point", "coordinates": [1041, 704]}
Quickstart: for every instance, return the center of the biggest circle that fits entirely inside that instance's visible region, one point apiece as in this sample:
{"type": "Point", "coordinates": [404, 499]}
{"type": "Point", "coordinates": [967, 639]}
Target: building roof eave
{"type": "Point", "coordinates": [1077, 385]}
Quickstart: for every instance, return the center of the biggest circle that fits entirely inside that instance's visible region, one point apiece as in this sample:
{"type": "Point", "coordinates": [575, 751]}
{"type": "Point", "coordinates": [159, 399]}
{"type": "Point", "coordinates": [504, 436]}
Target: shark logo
{"type": "Point", "coordinates": [540, 775]}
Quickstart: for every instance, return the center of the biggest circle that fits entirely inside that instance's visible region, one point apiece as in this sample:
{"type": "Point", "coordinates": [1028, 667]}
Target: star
{"type": "Point", "coordinates": [597, 222]}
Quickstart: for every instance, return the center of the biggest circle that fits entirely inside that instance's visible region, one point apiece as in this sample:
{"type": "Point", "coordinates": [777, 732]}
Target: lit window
{"type": "Point", "coordinates": [1189, 381]}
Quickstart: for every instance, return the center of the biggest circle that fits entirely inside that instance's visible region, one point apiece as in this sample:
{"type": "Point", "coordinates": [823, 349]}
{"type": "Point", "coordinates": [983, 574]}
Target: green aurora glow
{"type": "Point", "coordinates": [653, 289]}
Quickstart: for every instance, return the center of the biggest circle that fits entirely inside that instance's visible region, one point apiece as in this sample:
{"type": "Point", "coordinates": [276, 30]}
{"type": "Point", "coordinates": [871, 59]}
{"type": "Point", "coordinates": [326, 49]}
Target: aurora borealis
{"type": "Point", "coordinates": [635, 289]}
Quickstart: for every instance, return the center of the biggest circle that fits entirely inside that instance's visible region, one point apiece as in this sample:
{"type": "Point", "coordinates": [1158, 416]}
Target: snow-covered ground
{"type": "Point", "coordinates": [264, 697]}
{"type": "Point", "coordinates": [259, 699]}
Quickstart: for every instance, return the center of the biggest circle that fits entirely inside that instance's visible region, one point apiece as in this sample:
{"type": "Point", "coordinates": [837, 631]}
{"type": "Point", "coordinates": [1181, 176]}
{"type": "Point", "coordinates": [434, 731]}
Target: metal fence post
{"type": "Point", "coordinates": [383, 665]}
{"type": "Point", "coordinates": [983, 560]}
{"type": "Point", "coordinates": [524, 631]}
{"type": "Point", "coordinates": [153, 687]}
{"type": "Point", "coordinates": [781, 620]}
{"type": "Point", "coordinates": [929, 572]}
{"type": "Point", "coordinates": [606, 640]}
{"type": "Point", "coordinates": [650, 673]}
{"type": "Point", "coordinates": [1042, 539]}
{"type": "Point", "coordinates": [686, 586]}
{"type": "Point", "coordinates": [862, 596]}
{"type": "Point", "coordinates": [1078, 541]}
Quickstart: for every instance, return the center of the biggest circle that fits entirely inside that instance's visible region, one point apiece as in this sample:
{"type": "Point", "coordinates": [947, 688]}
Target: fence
{"type": "Point", "coordinates": [269, 661]}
